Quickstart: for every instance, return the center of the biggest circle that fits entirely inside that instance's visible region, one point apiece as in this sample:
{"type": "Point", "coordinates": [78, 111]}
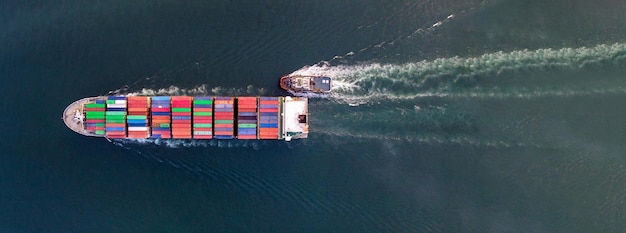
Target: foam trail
{"type": "Point", "coordinates": [462, 77]}
{"type": "Point", "coordinates": [180, 143]}
{"type": "Point", "coordinates": [384, 44]}
{"type": "Point", "coordinates": [202, 89]}
{"type": "Point", "coordinates": [460, 140]}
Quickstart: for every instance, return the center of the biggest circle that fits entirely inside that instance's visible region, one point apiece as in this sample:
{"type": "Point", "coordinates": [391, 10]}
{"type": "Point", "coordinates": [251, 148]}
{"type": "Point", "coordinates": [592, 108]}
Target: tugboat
{"type": "Point", "coordinates": [302, 84]}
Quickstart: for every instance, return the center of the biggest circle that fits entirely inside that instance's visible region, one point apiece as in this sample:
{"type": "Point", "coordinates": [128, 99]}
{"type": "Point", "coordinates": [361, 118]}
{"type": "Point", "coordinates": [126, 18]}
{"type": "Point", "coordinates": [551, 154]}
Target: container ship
{"type": "Point", "coordinates": [189, 117]}
{"type": "Point", "coordinates": [305, 84]}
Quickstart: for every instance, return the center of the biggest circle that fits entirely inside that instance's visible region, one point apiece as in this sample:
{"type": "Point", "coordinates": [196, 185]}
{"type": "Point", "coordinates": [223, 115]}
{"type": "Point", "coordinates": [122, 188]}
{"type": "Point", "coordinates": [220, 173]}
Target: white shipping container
{"type": "Point", "coordinates": [138, 128]}
{"type": "Point", "coordinates": [120, 101]}
{"type": "Point", "coordinates": [116, 105]}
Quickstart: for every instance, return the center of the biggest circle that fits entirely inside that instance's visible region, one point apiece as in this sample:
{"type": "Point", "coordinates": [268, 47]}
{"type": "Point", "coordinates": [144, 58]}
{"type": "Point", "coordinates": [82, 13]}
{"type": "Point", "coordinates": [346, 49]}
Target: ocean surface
{"type": "Point", "coordinates": [446, 116]}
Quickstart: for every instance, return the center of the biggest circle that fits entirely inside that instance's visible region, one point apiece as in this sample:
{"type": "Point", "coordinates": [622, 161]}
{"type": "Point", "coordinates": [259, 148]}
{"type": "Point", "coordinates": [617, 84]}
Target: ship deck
{"type": "Point", "coordinates": [69, 114]}
{"type": "Point", "coordinates": [295, 114]}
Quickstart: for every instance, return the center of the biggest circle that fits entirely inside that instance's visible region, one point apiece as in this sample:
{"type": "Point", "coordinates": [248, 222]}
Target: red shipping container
{"type": "Point", "coordinates": [181, 105]}
{"type": "Point", "coordinates": [274, 102]}
{"type": "Point", "coordinates": [223, 118]}
{"type": "Point", "coordinates": [268, 110]}
{"type": "Point", "coordinates": [115, 133]}
{"type": "Point", "coordinates": [241, 106]}
{"type": "Point", "coordinates": [161, 109]}
{"type": "Point", "coordinates": [202, 121]}
{"type": "Point", "coordinates": [268, 133]}
{"type": "Point", "coordinates": [94, 121]}
{"type": "Point", "coordinates": [181, 121]}
{"type": "Point", "coordinates": [93, 109]}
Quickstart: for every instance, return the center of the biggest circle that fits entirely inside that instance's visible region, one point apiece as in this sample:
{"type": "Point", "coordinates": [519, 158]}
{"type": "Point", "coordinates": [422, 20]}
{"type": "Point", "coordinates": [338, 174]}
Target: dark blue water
{"type": "Point", "coordinates": [472, 116]}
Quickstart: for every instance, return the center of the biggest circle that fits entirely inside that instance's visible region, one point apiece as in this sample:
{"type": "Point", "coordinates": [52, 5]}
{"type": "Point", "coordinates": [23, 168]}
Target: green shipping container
{"type": "Point", "coordinates": [95, 105]}
{"type": "Point", "coordinates": [181, 109]}
{"type": "Point", "coordinates": [165, 125]}
{"type": "Point", "coordinates": [115, 113]}
{"type": "Point", "coordinates": [99, 124]}
{"type": "Point", "coordinates": [95, 117]}
{"type": "Point", "coordinates": [246, 125]}
{"type": "Point", "coordinates": [100, 132]}
{"type": "Point", "coordinates": [116, 117]}
{"type": "Point", "coordinates": [202, 125]}
{"type": "Point", "coordinates": [202, 113]}
{"type": "Point", "coordinates": [95, 113]}
{"type": "Point", "coordinates": [110, 102]}
{"type": "Point", "coordinates": [115, 121]}
{"type": "Point", "coordinates": [135, 117]}
{"type": "Point", "coordinates": [203, 101]}
{"type": "Point", "coordinates": [223, 121]}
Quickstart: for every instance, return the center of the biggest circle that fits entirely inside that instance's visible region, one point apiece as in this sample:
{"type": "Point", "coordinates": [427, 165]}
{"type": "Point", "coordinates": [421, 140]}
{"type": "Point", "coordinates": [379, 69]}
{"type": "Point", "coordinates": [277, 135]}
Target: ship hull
{"type": "Point", "coordinates": [302, 84]}
{"type": "Point", "coordinates": [189, 117]}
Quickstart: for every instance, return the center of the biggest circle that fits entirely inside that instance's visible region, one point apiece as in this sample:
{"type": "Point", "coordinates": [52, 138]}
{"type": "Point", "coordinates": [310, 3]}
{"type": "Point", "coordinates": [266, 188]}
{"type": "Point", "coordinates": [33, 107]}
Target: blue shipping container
{"type": "Point", "coordinates": [223, 110]}
{"type": "Point", "coordinates": [265, 125]}
{"type": "Point", "coordinates": [181, 117]}
{"type": "Point", "coordinates": [137, 121]}
{"type": "Point", "coordinates": [247, 113]}
{"type": "Point", "coordinates": [202, 105]}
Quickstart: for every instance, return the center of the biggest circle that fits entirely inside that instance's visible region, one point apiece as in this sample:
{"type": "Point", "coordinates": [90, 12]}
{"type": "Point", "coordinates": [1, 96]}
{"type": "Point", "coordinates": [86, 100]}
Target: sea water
{"type": "Point", "coordinates": [445, 116]}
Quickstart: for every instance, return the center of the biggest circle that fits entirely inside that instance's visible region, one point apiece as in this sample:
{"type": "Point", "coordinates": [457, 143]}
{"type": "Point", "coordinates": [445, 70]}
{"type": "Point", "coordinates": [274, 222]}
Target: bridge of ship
{"type": "Point", "coordinates": [314, 84]}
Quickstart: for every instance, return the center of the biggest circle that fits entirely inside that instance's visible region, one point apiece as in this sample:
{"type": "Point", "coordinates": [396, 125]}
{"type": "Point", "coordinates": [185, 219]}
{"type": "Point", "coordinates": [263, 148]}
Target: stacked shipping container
{"type": "Point", "coordinates": [268, 117]}
{"type": "Point", "coordinates": [94, 117]}
{"type": "Point", "coordinates": [181, 116]}
{"type": "Point", "coordinates": [161, 117]}
{"type": "Point", "coordinates": [247, 118]}
{"type": "Point", "coordinates": [115, 116]}
{"type": "Point", "coordinates": [202, 117]}
{"type": "Point", "coordinates": [172, 117]}
{"type": "Point", "coordinates": [223, 117]}
{"type": "Point", "coordinates": [137, 118]}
